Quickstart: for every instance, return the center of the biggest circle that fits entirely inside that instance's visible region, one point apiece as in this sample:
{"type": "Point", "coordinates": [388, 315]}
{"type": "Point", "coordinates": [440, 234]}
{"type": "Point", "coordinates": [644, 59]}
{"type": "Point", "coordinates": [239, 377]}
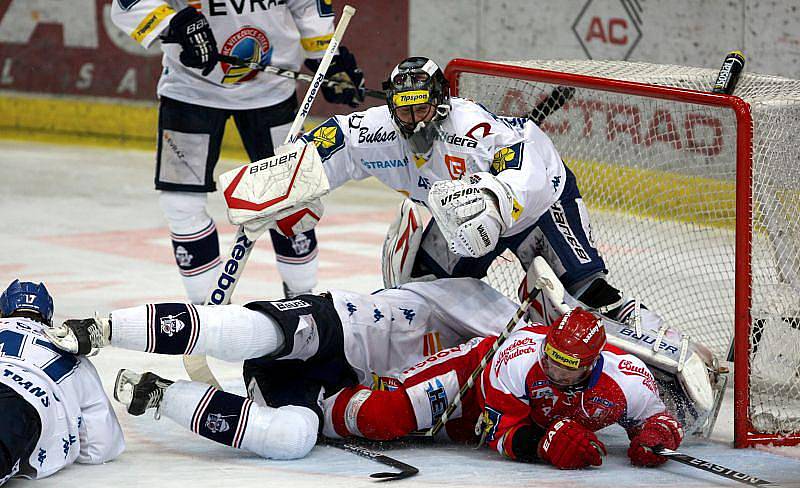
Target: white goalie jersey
{"type": "Point", "coordinates": [469, 140]}
{"type": "Point", "coordinates": [275, 33]}
{"type": "Point", "coordinates": [390, 329]}
{"type": "Point", "coordinates": [78, 422]}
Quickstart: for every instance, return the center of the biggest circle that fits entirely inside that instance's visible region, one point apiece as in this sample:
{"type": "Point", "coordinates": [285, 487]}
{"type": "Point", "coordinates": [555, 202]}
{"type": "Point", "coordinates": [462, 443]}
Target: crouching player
{"type": "Point", "coordinates": [542, 396]}
{"type": "Point", "coordinates": [53, 410]}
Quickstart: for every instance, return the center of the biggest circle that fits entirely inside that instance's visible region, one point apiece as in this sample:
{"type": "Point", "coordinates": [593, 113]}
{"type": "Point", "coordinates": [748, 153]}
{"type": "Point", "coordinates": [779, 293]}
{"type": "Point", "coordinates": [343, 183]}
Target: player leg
{"type": "Point", "coordinates": [20, 428]}
{"type": "Point", "coordinates": [416, 404]}
{"type": "Point", "coordinates": [563, 236]}
{"type": "Point", "coordinates": [188, 149]}
{"type": "Point", "coordinates": [262, 130]}
{"type": "Point", "coordinates": [276, 433]}
{"type": "Point", "coordinates": [311, 361]}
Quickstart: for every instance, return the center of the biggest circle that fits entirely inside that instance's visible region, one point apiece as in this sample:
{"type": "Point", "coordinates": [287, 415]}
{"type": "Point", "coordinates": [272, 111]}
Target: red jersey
{"type": "Point", "coordinates": [513, 391]}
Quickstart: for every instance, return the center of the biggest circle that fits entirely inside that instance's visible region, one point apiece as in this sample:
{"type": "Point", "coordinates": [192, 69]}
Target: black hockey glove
{"type": "Point", "coordinates": [190, 29]}
{"type": "Point", "coordinates": [343, 68]}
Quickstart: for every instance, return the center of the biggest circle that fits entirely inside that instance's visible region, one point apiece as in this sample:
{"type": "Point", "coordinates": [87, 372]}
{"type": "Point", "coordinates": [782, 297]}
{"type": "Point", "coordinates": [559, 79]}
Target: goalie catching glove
{"type": "Point", "coordinates": [658, 431]}
{"type": "Point", "coordinates": [471, 213]}
{"type": "Point", "coordinates": [282, 192]}
{"type": "Point", "coordinates": [569, 445]}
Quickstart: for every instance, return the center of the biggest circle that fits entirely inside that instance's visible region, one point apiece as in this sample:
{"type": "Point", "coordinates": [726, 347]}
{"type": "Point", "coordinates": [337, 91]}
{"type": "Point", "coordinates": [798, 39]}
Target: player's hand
{"type": "Point", "coordinates": [343, 68]}
{"type": "Point", "coordinates": [467, 215]}
{"type": "Point", "coordinates": [658, 431]}
{"type": "Point", "coordinates": [191, 30]}
{"type": "Point", "coordinates": [568, 445]}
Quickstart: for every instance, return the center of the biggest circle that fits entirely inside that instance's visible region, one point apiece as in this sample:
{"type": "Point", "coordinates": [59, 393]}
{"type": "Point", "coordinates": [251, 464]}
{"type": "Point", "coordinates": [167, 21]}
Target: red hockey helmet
{"type": "Point", "coordinates": [571, 349]}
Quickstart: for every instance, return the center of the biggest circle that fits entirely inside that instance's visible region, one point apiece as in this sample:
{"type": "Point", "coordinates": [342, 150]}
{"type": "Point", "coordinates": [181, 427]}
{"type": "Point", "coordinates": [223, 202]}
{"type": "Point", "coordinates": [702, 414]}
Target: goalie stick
{"type": "Point", "coordinates": [197, 365]}
{"type": "Point", "coordinates": [295, 75]}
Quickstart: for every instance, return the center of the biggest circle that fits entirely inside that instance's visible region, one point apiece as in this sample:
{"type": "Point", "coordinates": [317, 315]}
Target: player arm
{"type": "Point", "coordinates": [506, 418]}
{"type": "Point", "coordinates": [101, 438]}
{"type": "Point", "coordinates": [314, 20]}
{"type": "Point", "coordinates": [333, 146]}
{"type": "Point", "coordinates": [647, 421]}
{"type": "Point", "coordinates": [534, 173]}
{"type": "Point", "coordinates": [143, 20]}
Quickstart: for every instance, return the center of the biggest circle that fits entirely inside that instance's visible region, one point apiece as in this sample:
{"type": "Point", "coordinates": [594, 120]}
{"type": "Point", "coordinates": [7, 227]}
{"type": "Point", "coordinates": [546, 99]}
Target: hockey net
{"type": "Point", "coordinates": [694, 201]}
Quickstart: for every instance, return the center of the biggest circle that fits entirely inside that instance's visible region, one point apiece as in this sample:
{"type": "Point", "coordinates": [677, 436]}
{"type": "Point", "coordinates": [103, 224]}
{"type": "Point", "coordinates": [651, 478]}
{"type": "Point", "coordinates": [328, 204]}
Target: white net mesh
{"type": "Point", "coordinates": [659, 178]}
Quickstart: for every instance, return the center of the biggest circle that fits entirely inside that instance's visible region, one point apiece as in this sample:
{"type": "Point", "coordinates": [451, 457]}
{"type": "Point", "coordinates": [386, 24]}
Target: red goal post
{"type": "Point", "coordinates": [628, 96]}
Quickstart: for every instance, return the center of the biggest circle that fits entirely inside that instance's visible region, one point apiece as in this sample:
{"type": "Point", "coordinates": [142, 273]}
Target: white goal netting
{"type": "Point", "coordinates": [659, 176]}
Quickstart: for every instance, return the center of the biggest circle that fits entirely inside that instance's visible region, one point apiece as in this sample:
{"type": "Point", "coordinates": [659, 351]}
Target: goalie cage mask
{"type": "Point", "coordinates": [572, 349]}
{"type": "Point", "coordinates": [416, 82]}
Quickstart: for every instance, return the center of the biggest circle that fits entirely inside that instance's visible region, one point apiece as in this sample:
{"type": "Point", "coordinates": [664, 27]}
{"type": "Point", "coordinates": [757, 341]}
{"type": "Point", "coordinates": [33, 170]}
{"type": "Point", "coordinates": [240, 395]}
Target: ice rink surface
{"type": "Point", "coordinates": [86, 222]}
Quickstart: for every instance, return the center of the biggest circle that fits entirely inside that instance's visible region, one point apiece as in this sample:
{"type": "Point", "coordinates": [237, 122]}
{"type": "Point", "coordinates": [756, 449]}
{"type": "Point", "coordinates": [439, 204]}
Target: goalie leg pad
{"type": "Point", "coordinates": [401, 244]}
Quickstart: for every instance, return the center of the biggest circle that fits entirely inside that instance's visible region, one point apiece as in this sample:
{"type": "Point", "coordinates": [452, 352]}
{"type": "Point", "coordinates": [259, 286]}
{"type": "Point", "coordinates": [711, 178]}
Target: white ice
{"type": "Point", "coordinates": [86, 222]}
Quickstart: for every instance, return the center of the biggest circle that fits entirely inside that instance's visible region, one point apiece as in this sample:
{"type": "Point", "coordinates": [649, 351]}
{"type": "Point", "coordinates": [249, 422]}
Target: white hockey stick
{"type": "Point", "coordinates": [197, 365]}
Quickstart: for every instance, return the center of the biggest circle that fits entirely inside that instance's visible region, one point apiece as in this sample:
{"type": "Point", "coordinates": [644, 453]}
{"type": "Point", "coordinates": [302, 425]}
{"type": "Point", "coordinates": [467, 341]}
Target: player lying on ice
{"type": "Point", "coordinates": [543, 395]}
{"type": "Point", "coordinates": [310, 345]}
{"type": "Point", "coordinates": [325, 351]}
{"type": "Point", "coordinates": [53, 410]}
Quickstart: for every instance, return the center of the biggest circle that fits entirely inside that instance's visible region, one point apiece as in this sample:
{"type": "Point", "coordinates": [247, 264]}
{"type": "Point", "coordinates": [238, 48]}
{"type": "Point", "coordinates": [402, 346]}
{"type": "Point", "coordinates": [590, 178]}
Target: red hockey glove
{"type": "Point", "coordinates": [659, 430]}
{"type": "Point", "coordinates": [569, 445]}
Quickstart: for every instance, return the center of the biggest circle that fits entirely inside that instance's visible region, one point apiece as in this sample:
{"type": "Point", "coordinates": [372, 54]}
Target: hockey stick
{"type": "Point", "coordinates": [405, 470]}
{"type": "Point", "coordinates": [295, 75]}
{"type": "Point", "coordinates": [540, 281]}
{"type": "Point", "coordinates": [710, 467]}
{"type": "Point", "coordinates": [197, 365]}
{"type": "Point", "coordinates": [557, 99]}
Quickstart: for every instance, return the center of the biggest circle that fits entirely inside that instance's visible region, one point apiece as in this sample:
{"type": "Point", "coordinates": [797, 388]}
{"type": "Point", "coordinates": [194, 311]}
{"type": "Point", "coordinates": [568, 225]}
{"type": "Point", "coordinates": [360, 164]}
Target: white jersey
{"type": "Point", "coordinates": [78, 422]}
{"type": "Point", "coordinates": [470, 140]}
{"type": "Point", "coordinates": [390, 329]}
{"type": "Point", "coordinates": [278, 33]}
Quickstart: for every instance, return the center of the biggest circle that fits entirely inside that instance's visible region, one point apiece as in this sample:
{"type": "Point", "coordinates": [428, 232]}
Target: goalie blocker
{"type": "Point", "coordinates": [282, 192]}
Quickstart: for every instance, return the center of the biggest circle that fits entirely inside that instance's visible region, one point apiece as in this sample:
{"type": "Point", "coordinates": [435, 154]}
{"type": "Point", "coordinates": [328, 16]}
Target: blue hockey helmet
{"type": "Point", "coordinates": [24, 296]}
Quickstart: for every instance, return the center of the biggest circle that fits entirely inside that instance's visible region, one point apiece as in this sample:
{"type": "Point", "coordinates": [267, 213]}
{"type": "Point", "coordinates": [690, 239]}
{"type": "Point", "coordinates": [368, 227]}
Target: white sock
{"type": "Point", "coordinates": [228, 332]}
{"type": "Point", "coordinates": [277, 433]}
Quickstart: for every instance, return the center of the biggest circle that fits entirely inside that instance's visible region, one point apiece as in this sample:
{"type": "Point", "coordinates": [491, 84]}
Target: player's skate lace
{"type": "Point", "coordinates": [140, 392]}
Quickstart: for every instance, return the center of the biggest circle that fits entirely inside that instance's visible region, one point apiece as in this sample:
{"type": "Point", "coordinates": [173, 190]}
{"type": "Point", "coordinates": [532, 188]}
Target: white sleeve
{"type": "Point", "coordinates": [534, 171]}
{"type": "Point", "coordinates": [314, 20]}
{"type": "Point", "coordinates": [468, 306]}
{"type": "Point", "coordinates": [101, 438]}
{"type": "Point", "coordinates": [332, 144]}
{"type": "Point", "coordinates": [143, 20]}
{"type": "Point", "coordinates": [639, 387]}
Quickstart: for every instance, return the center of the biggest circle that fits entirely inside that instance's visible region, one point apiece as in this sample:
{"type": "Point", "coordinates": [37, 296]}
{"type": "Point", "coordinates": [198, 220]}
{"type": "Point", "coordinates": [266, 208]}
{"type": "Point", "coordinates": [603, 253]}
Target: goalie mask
{"type": "Point", "coordinates": [418, 96]}
{"type": "Point", "coordinates": [572, 350]}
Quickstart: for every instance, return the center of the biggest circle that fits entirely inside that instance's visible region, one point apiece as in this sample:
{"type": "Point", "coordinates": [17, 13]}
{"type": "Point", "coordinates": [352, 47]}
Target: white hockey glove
{"type": "Point", "coordinates": [471, 213]}
{"type": "Point", "coordinates": [282, 192]}
{"type": "Point", "coordinates": [289, 222]}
